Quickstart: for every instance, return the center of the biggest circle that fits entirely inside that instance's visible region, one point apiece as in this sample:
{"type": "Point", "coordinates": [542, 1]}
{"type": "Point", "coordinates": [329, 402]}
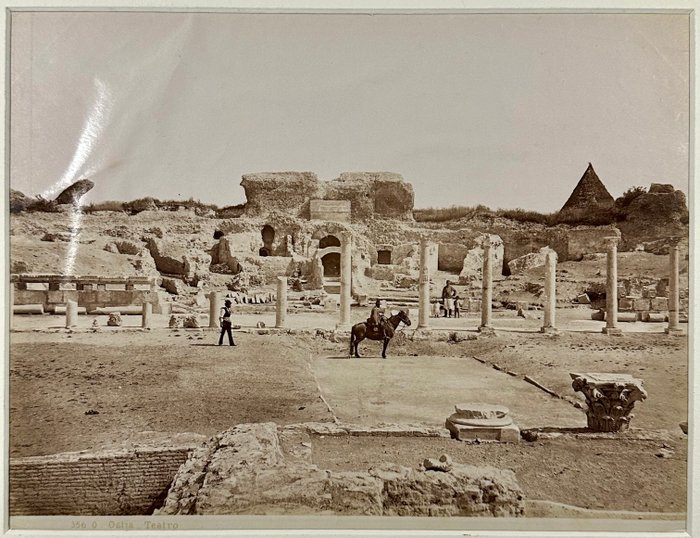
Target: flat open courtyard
{"type": "Point", "coordinates": [115, 388]}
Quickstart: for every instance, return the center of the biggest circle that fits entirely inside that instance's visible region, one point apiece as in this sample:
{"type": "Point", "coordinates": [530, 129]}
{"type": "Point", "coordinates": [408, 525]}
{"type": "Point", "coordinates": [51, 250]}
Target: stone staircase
{"type": "Point", "coordinates": [331, 285]}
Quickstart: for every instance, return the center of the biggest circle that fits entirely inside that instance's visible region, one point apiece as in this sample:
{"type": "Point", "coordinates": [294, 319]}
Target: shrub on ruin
{"type": "Point", "coordinates": [43, 205]}
{"type": "Point", "coordinates": [444, 214]}
{"type": "Point", "coordinates": [109, 205]}
{"type": "Point", "coordinates": [19, 201]}
{"type": "Point", "coordinates": [141, 204]}
{"type": "Point", "coordinates": [628, 196]}
{"type": "Point", "coordinates": [622, 203]}
{"type": "Point", "coordinates": [230, 212]}
{"type": "Point", "coordinates": [524, 215]}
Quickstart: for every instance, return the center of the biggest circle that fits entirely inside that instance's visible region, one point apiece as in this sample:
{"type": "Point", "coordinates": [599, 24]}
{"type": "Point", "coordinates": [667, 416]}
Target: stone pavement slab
{"type": "Point", "coordinates": [426, 390]}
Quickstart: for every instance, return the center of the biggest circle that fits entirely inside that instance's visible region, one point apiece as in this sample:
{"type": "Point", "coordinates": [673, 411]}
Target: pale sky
{"type": "Point", "coordinates": [494, 109]}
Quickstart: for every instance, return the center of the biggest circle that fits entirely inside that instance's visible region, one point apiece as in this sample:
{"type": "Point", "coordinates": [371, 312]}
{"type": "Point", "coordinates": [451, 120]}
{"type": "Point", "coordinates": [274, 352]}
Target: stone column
{"type": "Point", "coordinates": [486, 287]}
{"type": "Point", "coordinates": [611, 289]}
{"type": "Point", "coordinates": [281, 307]}
{"type": "Point", "coordinates": [550, 293]}
{"type": "Point", "coordinates": [345, 280]}
{"type": "Point", "coordinates": [146, 314]}
{"type": "Point", "coordinates": [71, 314]}
{"type": "Point", "coordinates": [674, 327]}
{"type": "Point", "coordinates": [424, 286]}
{"type": "Point", "coordinates": [214, 308]}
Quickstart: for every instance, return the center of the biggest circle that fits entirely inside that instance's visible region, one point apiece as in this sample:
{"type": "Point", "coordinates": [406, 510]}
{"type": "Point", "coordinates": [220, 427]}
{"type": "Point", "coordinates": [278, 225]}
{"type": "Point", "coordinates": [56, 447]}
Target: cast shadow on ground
{"type": "Point", "coordinates": [339, 357]}
{"type": "Point", "coordinates": [555, 429]}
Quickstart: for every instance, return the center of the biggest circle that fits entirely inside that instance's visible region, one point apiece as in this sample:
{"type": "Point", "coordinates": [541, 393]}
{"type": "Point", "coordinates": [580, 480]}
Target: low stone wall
{"type": "Point", "coordinates": [124, 482]}
{"type": "Point", "coordinates": [89, 299]}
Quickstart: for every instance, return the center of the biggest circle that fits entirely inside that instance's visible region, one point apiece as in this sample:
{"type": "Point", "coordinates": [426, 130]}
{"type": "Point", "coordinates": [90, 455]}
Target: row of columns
{"type": "Point", "coordinates": [486, 325]}
{"type": "Point", "coordinates": [72, 314]}
{"type": "Point", "coordinates": [549, 323]}
{"type": "Point", "coordinates": [611, 290]}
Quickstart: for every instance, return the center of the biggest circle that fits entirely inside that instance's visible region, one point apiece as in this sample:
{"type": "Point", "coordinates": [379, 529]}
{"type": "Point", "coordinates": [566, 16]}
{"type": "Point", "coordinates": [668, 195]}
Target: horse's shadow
{"type": "Point", "coordinates": [339, 357]}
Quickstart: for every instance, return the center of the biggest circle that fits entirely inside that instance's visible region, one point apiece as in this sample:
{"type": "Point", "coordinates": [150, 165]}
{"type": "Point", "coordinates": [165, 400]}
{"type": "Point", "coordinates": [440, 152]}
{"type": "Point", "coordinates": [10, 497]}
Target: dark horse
{"type": "Point", "coordinates": [359, 332]}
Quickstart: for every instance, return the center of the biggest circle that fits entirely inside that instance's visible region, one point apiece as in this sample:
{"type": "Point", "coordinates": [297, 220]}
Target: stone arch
{"type": "Point", "coordinates": [329, 252]}
{"type": "Point", "coordinates": [331, 264]}
{"type": "Point", "coordinates": [267, 234]}
{"type": "Point", "coordinates": [329, 241]}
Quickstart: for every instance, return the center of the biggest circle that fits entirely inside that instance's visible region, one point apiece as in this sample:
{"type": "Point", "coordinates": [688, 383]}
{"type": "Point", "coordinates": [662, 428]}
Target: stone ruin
{"type": "Point", "coordinates": [292, 222]}
{"type": "Point", "coordinates": [252, 469]}
{"type": "Point", "coordinates": [73, 193]}
{"type": "Point", "coordinates": [484, 422]}
{"type": "Point", "coordinates": [370, 194]}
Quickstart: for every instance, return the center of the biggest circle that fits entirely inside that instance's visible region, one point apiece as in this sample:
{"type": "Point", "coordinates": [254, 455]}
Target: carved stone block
{"type": "Point", "coordinates": [484, 422]}
{"type": "Point", "coordinates": [610, 399]}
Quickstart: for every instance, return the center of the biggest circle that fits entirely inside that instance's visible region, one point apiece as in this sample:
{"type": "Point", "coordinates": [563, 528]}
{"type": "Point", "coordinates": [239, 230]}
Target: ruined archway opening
{"type": "Point", "coordinates": [329, 241]}
{"type": "Point", "coordinates": [505, 268]}
{"type": "Point", "coordinates": [331, 265]}
{"type": "Point", "coordinates": [268, 237]}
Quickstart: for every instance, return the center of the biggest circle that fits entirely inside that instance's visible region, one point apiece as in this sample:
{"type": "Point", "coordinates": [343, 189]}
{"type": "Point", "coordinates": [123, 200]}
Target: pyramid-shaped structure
{"type": "Point", "coordinates": [590, 193]}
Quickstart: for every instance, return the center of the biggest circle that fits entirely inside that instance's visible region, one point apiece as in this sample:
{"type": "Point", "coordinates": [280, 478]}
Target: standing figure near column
{"type": "Point", "coordinates": [225, 321]}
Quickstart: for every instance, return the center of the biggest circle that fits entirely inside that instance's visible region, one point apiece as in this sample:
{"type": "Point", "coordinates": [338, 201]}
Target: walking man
{"type": "Point", "coordinates": [225, 322]}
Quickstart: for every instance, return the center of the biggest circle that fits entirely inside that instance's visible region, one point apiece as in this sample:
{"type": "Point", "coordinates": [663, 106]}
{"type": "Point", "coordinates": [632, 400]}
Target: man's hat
{"type": "Point", "coordinates": [227, 302]}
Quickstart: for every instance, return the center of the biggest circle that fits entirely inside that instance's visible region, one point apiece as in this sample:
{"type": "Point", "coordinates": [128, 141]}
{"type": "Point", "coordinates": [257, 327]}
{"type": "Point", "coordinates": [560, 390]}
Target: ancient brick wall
{"type": "Point", "coordinates": [98, 483]}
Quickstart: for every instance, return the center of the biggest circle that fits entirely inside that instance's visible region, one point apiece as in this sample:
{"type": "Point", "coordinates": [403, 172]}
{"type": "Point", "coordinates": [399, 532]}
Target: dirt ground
{"type": "Point", "coordinates": [179, 384]}
{"type": "Point", "coordinates": [589, 473]}
{"type": "Point", "coordinates": [164, 382]}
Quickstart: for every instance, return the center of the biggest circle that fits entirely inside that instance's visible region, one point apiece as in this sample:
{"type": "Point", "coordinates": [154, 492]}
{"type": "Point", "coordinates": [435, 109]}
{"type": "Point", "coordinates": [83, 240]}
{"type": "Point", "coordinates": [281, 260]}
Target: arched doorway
{"type": "Point", "coordinates": [268, 237]}
{"type": "Point", "coordinates": [331, 264]}
{"type": "Point", "coordinates": [329, 241]}
{"type": "Point", "coordinates": [330, 261]}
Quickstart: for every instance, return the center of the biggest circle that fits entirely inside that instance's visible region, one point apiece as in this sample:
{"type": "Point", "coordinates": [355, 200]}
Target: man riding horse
{"type": "Point", "coordinates": [376, 322]}
{"type": "Point", "coordinates": [384, 330]}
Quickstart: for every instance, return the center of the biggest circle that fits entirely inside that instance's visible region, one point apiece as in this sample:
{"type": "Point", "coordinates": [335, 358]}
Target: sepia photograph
{"type": "Point", "coordinates": [348, 269]}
